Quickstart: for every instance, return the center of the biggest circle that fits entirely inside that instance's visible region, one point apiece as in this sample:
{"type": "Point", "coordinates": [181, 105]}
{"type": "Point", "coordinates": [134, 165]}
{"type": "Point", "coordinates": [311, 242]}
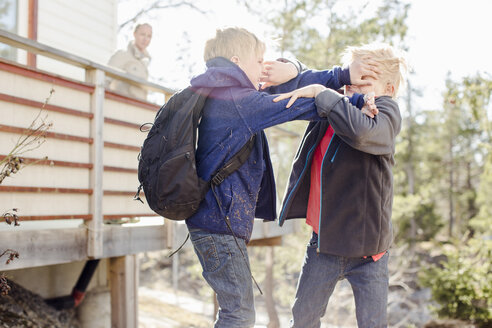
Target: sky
{"type": "Point", "coordinates": [443, 37]}
{"type": "Point", "coordinates": [448, 36]}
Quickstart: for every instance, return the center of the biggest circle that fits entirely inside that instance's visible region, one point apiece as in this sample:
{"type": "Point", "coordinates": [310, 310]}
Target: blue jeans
{"type": "Point", "coordinates": [225, 270]}
{"type": "Point", "coordinates": [321, 272]}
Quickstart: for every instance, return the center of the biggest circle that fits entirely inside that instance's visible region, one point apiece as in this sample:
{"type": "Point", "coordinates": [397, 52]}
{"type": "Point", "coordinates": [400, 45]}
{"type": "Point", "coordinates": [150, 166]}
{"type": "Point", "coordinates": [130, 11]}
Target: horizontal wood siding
{"type": "Point", "coordinates": [50, 176]}
{"type": "Point", "coordinates": [55, 149]}
{"type": "Point", "coordinates": [59, 186]}
{"type": "Point", "coordinates": [45, 203]}
{"type": "Point", "coordinates": [123, 140]}
{"type": "Point", "coordinates": [23, 85]}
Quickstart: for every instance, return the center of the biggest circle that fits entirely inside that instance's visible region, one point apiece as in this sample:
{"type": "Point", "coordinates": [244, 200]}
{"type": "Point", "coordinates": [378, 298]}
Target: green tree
{"type": "Point", "coordinates": [417, 165]}
{"type": "Point", "coordinates": [461, 284]}
{"type": "Point", "coordinates": [441, 155]}
{"type": "Point", "coordinates": [318, 31]}
{"type": "Point", "coordinates": [477, 96]}
{"type": "Point", "coordinates": [466, 130]}
{"type": "Point", "coordinates": [481, 222]}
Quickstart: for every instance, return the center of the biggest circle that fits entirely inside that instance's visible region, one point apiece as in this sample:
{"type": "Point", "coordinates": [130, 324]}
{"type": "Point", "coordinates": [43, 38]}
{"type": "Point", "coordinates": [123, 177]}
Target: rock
{"type": "Point", "coordinates": [409, 309]}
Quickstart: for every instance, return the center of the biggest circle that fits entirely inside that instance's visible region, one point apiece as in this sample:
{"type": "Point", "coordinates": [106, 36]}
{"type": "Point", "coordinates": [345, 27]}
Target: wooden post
{"type": "Point", "coordinates": [216, 305]}
{"type": "Point", "coordinates": [175, 261]}
{"type": "Point", "coordinates": [170, 226]}
{"type": "Point", "coordinates": [95, 233]}
{"type": "Point", "coordinates": [123, 280]}
{"type": "Point", "coordinates": [32, 30]}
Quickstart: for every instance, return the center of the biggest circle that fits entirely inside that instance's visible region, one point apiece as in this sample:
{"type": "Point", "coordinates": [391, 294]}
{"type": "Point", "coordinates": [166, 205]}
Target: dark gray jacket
{"type": "Point", "coordinates": [356, 176]}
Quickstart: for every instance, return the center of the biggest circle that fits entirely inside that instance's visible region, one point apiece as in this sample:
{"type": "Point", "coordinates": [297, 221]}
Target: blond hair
{"type": "Point", "coordinates": [233, 41]}
{"type": "Point", "coordinates": [391, 62]}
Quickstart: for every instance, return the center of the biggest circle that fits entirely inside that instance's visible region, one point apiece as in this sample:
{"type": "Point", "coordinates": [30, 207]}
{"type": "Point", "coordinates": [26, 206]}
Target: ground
{"type": "Point", "coordinates": [190, 303]}
{"type": "Point", "coordinates": [187, 301]}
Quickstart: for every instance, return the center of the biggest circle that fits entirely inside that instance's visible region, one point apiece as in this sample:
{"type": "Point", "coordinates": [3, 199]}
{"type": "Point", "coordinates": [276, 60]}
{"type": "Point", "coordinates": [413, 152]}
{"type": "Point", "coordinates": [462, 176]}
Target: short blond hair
{"type": "Point", "coordinates": [391, 62]}
{"type": "Point", "coordinates": [233, 41]}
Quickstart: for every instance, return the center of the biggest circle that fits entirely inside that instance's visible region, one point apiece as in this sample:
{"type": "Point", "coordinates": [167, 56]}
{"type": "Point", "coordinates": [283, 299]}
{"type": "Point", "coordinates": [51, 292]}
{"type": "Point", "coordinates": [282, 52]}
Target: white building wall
{"type": "Point", "coordinates": [84, 28]}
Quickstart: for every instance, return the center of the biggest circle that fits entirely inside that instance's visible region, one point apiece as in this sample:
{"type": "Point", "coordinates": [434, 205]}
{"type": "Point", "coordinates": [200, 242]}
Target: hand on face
{"type": "Point", "coordinates": [277, 72]}
{"type": "Point", "coordinates": [368, 84]}
{"type": "Point", "coordinates": [364, 67]}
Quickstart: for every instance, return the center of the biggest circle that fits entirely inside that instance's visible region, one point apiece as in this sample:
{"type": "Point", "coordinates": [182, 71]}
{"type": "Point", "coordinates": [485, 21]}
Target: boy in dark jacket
{"type": "Point", "coordinates": [234, 112]}
{"type": "Point", "coordinates": [342, 183]}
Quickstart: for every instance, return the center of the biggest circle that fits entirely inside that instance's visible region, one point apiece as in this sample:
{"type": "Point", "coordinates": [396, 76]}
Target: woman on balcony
{"type": "Point", "coordinates": [134, 60]}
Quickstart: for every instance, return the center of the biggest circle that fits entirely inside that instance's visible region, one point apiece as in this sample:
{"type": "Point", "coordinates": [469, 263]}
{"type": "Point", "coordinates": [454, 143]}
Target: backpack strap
{"type": "Point", "coordinates": [232, 165]}
{"type": "Point", "coordinates": [229, 226]}
{"type": "Point", "coordinates": [200, 97]}
{"type": "Point", "coordinates": [234, 162]}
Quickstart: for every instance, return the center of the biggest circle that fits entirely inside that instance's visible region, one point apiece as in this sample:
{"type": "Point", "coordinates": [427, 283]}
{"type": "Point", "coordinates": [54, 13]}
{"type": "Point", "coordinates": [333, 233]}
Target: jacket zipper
{"type": "Point", "coordinates": [334, 155]}
{"type": "Point", "coordinates": [295, 186]}
{"type": "Point", "coordinates": [321, 188]}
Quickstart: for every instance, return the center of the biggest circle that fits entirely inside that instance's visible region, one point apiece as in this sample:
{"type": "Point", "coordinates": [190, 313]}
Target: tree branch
{"type": "Point", "coordinates": [157, 5]}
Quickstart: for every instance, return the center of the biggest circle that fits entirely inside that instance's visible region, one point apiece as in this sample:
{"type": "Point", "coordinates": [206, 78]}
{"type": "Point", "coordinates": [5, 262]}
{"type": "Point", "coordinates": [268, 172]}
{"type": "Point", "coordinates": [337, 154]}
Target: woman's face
{"type": "Point", "coordinates": [143, 35]}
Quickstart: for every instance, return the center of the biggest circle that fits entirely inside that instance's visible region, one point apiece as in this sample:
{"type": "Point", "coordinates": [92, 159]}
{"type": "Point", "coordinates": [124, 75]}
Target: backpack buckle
{"type": "Point", "coordinates": [217, 179]}
{"type": "Point", "coordinates": [137, 195]}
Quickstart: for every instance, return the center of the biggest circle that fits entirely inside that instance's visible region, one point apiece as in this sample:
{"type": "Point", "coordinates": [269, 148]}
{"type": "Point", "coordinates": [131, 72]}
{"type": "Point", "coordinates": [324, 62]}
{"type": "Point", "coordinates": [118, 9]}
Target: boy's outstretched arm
{"type": "Point", "coordinates": [309, 91]}
{"type": "Point", "coordinates": [375, 136]}
{"type": "Point", "coordinates": [284, 76]}
{"type": "Point", "coordinates": [368, 106]}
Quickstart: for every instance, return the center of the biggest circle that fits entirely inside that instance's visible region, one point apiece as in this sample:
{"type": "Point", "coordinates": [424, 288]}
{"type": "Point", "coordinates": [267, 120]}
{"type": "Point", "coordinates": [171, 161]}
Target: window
{"type": "Point", "coordinates": [8, 22]}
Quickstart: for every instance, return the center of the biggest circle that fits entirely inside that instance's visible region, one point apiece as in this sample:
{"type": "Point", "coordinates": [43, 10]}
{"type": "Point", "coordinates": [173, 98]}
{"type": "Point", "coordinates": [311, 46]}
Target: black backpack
{"type": "Point", "coordinates": [167, 168]}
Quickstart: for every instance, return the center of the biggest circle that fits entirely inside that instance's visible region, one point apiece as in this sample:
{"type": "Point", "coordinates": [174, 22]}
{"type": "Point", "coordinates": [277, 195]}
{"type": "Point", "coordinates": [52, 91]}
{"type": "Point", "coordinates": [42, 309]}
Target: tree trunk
{"type": "Point", "coordinates": [451, 184]}
{"type": "Point", "coordinates": [269, 282]}
{"type": "Point", "coordinates": [410, 168]}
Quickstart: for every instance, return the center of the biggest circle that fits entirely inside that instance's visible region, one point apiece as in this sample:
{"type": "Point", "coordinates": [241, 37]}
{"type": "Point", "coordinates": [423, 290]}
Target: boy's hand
{"type": "Point", "coordinates": [276, 72]}
{"type": "Point", "coordinates": [363, 67]}
{"type": "Point", "coordinates": [369, 107]}
{"type": "Point", "coordinates": [310, 91]}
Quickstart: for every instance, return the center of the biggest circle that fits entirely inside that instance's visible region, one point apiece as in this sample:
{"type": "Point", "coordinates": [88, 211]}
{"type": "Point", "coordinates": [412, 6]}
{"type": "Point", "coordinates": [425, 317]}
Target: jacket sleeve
{"type": "Point", "coordinates": [258, 110]}
{"type": "Point", "coordinates": [333, 79]}
{"type": "Point", "coordinates": [371, 135]}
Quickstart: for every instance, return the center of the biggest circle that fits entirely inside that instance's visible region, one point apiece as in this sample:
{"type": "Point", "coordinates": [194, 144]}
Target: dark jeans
{"type": "Point", "coordinates": [321, 272]}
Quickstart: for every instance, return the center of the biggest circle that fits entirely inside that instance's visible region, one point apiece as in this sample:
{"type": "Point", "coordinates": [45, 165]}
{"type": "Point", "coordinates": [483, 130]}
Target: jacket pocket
{"type": "Point", "coordinates": [227, 198]}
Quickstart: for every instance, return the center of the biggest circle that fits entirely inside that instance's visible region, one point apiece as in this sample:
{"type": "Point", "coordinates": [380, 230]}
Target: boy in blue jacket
{"type": "Point", "coordinates": [342, 183]}
{"type": "Point", "coordinates": [235, 111]}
